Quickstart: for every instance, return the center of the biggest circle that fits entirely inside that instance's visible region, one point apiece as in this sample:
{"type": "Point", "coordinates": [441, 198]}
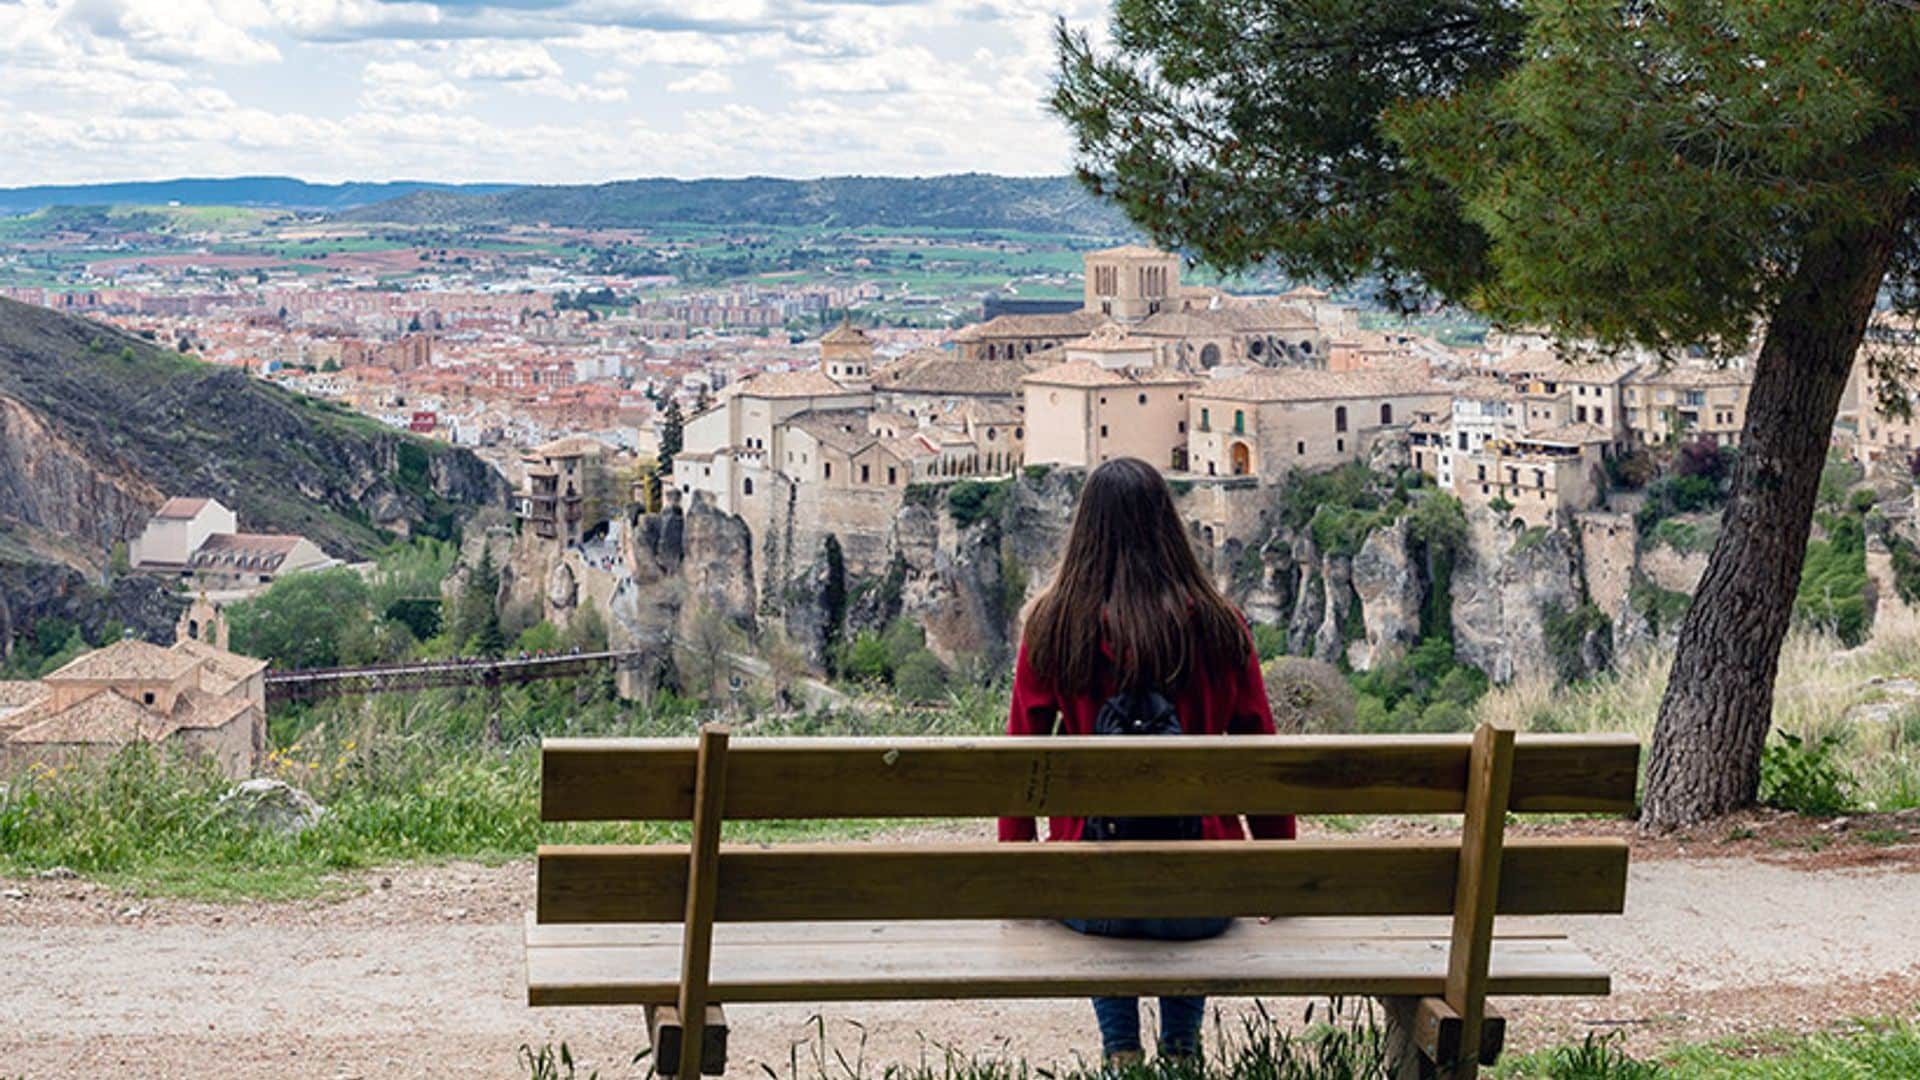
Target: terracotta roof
{"type": "Point", "coordinates": [229, 668]}
{"type": "Point", "coordinates": [938, 371]}
{"type": "Point", "coordinates": [842, 429]}
{"type": "Point", "coordinates": [130, 660]}
{"type": "Point", "coordinates": [790, 384]}
{"type": "Point", "coordinates": [1086, 373]}
{"type": "Point", "coordinates": [1065, 324]}
{"type": "Point", "coordinates": [247, 551]}
{"type": "Point", "coordinates": [1110, 338]}
{"type": "Point", "coordinates": [1183, 324]}
{"type": "Point", "coordinates": [20, 694]}
{"type": "Point", "coordinates": [179, 509]}
{"type": "Point", "coordinates": [105, 716]}
{"type": "Point", "coordinates": [1262, 315]}
{"type": "Point", "coordinates": [1570, 434]}
{"type": "Point", "coordinates": [1600, 371]}
{"type": "Point", "coordinates": [845, 334]}
{"type": "Point", "coordinates": [569, 446]}
{"type": "Point", "coordinates": [199, 709]}
{"type": "Point", "coordinates": [1695, 375]}
{"type": "Point", "coordinates": [1305, 384]}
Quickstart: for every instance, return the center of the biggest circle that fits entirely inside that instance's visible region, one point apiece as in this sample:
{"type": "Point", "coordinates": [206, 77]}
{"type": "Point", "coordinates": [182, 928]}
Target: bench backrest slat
{"type": "Point", "coordinates": [653, 779]}
{"type": "Point", "coordinates": [608, 883]}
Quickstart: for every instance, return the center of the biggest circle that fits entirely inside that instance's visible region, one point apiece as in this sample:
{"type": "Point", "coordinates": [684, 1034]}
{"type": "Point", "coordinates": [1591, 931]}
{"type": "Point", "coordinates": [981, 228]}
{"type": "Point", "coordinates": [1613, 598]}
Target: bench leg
{"type": "Point", "coordinates": [665, 1030]}
{"type": "Point", "coordinates": [1423, 1038]}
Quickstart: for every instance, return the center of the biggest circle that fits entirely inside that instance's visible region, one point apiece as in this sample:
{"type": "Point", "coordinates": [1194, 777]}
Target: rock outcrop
{"type": "Point", "coordinates": [1387, 586]}
{"type": "Point", "coordinates": [1504, 590]}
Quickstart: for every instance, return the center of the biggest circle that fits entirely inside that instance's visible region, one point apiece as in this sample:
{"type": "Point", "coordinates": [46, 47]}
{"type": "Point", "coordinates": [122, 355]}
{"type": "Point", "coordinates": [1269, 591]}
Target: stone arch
{"type": "Point", "coordinates": [1242, 458]}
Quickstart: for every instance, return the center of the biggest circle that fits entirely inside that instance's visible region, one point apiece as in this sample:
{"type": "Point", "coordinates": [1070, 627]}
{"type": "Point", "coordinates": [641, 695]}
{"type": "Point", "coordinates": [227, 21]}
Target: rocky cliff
{"type": "Point", "coordinates": [97, 428]}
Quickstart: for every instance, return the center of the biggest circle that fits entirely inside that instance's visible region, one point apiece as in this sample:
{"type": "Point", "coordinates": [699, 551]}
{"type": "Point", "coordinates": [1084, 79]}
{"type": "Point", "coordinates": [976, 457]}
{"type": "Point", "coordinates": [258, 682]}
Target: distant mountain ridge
{"type": "Point", "coordinates": [1049, 204]}
{"type": "Point", "coordinates": [273, 192]}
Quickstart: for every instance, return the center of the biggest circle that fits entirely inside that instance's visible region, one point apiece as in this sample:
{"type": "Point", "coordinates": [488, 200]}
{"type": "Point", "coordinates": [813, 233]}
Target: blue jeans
{"type": "Point", "coordinates": [1180, 1017]}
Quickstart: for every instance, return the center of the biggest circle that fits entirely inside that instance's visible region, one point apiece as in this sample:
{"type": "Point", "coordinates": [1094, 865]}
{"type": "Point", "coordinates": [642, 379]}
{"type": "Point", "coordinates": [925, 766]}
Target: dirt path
{"type": "Point", "coordinates": [421, 977]}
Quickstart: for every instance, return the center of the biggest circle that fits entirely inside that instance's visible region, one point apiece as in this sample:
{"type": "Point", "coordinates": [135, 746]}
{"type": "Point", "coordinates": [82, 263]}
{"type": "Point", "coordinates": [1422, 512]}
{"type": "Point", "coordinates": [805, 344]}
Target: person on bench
{"type": "Point", "coordinates": [1132, 638]}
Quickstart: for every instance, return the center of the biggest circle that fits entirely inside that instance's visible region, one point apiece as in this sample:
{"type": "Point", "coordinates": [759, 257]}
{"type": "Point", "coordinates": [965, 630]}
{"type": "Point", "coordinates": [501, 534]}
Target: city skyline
{"type": "Point", "coordinates": [526, 91]}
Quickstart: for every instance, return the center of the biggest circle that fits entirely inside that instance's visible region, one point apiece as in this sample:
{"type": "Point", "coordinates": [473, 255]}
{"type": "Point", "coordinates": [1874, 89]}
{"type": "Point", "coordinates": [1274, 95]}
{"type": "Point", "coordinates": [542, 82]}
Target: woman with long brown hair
{"type": "Point", "coordinates": [1133, 618]}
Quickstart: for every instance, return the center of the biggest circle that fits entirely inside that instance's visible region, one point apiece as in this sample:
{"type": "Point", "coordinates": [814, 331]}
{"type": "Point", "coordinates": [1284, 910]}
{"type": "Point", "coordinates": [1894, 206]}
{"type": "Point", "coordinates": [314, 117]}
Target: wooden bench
{"type": "Point", "coordinates": [679, 929]}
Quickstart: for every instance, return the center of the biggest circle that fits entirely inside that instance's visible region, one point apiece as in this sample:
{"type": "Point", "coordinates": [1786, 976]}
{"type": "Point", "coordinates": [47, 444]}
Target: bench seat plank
{"type": "Point", "coordinates": [905, 777]}
{"type": "Point", "coordinates": [611, 883]}
{"type": "Point", "coordinates": [799, 963]}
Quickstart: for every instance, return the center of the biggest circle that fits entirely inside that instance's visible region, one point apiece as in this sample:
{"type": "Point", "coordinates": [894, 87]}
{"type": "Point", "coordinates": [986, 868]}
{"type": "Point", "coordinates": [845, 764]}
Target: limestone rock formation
{"type": "Point", "coordinates": [1386, 585]}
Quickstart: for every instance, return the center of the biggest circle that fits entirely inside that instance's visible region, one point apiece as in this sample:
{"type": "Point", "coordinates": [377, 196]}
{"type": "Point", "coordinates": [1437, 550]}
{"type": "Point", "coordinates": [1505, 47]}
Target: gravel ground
{"type": "Point", "coordinates": [420, 975]}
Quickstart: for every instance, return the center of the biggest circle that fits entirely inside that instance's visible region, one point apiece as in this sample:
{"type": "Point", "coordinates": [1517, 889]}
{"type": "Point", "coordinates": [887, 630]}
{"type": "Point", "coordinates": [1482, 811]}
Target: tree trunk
{"type": "Point", "coordinates": [1718, 707]}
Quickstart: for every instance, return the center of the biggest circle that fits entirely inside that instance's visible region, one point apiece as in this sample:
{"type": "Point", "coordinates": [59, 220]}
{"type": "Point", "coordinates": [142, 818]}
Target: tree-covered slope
{"type": "Point", "coordinates": [1050, 204]}
{"type": "Point", "coordinates": [97, 428]}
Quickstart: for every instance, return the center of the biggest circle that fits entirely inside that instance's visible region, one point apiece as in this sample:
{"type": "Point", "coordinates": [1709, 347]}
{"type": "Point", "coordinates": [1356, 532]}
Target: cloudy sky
{"type": "Point", "coordinates": [526, 90]}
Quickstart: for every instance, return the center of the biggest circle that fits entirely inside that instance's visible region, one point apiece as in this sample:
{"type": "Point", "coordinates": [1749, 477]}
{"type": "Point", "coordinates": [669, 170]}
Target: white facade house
{"type": "Point", "coordinates": [178, 530]}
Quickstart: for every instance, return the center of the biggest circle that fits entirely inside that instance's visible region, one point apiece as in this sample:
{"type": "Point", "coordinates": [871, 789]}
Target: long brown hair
{"type": "Point", "coordinates": [1130, 580]}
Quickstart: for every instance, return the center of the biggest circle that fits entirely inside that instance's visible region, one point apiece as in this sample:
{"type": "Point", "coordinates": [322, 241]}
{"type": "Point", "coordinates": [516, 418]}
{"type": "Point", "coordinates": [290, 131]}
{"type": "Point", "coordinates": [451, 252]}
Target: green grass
{"type": "Point", "coordinates": [403, 780]}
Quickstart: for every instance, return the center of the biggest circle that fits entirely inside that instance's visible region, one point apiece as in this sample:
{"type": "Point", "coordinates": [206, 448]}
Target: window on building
{"type": "Point", "coordinates": [1539, 479]}
{"type": "Point", "coordinates": [1183, 427]}
{"type": "Point", "coordinates": [892, 478]}
{"type": "Point", "coordinates": [1386, 412]}
{"type": "Point", "coordinates": [866, 473]}
{"type": "Point", "coordinates": [746, 486]}
{"type": "Point", "coordinates": [1143, 399]}
{"type": "Point", "coordinates": [1239, 422]}
{"type": "Point", "coordinates": [1206, 420]}
{"type": "Point", "coordinates": [147, 697]}
{"type": "Point", "coordinates": [1463, 440]}
{"type": "Point", "coordinates": [826, 470]}
{"type": "Point", "coordinates": [1103, 431]}
{"type": "Point", "coordinates": [1340, 418]}
{"type": "Point", "coordinates": [1340, 446]}
{"type": "Point", "coordinates": [992, 434]}
{"type": "Point", "coordinates": [1019, 433]}
{"type": "Point", "coordinates": [1300, 449]}
{"type": "Point", "coordinates": [1103, 399]}
{"type": "Point", "coordinates": [1599, 415]}
{"type": "Point", "coordinates": [1483, 473]}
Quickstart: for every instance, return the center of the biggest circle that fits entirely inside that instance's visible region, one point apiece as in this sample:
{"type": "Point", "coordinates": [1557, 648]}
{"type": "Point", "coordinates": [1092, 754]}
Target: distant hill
{"type": "Point", "coordinates": [1051, 204]}
{"type": "Point", "coordinates": [97, 428]}
{"type": "Point", "coordinates": [275, 192]}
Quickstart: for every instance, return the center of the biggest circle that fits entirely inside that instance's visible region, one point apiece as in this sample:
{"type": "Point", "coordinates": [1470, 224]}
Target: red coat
{"type": "Point", "coordinates": [1231, 702]}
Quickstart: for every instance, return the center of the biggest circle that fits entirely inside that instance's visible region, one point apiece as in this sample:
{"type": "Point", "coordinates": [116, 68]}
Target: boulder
{"type": "Point", "coordinates": [264, 803]}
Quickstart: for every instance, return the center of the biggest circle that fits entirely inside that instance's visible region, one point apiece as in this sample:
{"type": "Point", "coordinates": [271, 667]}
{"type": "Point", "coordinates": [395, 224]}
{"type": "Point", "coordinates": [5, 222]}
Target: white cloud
{"type": "Point", "coordinates": [507, 62]}
{"type": "Point", "coordinates": [705, 81]}
{"type": "Point", "coordinates": [404, 86]}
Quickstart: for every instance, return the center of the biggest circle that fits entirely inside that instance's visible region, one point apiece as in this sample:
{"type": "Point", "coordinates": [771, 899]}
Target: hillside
{"type": "Point", "coordinates": [97, 428]}
{"type": "Point", "coordinates": [278, 192]}
{"type": "Point", "coordinates": [1053, 204]}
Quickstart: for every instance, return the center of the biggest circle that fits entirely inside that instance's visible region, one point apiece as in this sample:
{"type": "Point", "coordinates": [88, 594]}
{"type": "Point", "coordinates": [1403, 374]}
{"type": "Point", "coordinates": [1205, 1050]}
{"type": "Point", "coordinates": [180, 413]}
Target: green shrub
{"type": "Point", "coordinates": [972, 501]}
{"type": "Point", "coordinates": [1037, 472]}
{"type": "Point", "coordinates": [865, 659]}
{"type": "Point", "coordinates": [921, 678]}
{"type": "Point", "coordinates": [1269, 640]}
{"type": "Point", "coordinates": [1833, 581]}
{"type": "Point", "coordinates": [1805, 777]}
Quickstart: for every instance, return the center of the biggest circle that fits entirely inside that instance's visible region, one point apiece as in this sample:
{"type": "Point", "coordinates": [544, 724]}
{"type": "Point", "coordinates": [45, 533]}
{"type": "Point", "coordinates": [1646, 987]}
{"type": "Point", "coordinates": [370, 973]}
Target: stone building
{"type": "Point", "coordinates": [196, 697]}
{"type": "Point", "coordinates": [567, 490]}
{"type": "Point", "coordinates": [1269, 422]}
{"type": "Point", "coordinates": [1192, 328]}
{"type": "Point", "coordinates": [1686, 402]}
{"type": "Point", "coordinates": [1541, 477]}
{"type": "Point", "coordinates": [1107, 398]}
{"type": "Point", "coordinates": [1884, 375]}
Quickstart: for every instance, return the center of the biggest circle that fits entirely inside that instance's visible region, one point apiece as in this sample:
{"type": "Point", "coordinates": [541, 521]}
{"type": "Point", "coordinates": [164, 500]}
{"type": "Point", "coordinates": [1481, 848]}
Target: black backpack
{"type": "Point", "coordinates": [1141, 712]}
